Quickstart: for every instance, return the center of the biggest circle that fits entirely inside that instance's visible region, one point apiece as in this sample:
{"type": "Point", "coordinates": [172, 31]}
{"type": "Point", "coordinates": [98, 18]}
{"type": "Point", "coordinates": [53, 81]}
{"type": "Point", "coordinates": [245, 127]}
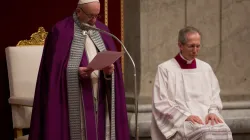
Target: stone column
{"type": "Point", "coordinates": [151, 29]}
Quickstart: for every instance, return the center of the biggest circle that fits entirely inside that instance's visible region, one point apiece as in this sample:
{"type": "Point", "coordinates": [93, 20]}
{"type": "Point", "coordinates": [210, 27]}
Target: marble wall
{"type": "Point", "coordinates": [151, 29]}
{"type": "Point", "coordinates": [234, 68]}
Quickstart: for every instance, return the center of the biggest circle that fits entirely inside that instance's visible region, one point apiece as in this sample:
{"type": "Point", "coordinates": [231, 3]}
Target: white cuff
{"type": "Point", "coordinates": [213, 110]}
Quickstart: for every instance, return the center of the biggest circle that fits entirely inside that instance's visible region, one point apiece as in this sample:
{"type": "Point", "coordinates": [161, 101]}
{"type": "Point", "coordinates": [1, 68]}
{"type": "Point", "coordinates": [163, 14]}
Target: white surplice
{"type": "Point", "coordinates": [179, 93]}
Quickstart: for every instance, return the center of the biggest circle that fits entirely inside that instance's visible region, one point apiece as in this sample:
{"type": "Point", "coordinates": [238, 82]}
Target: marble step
{"type": "Point", "coordinates": [146, 107]}
{"type": "Point", "coordinates": [236, 115]}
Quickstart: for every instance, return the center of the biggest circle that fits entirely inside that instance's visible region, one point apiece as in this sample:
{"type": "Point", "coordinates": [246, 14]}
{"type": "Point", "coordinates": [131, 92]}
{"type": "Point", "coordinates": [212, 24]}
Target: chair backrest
{"type": "Point", "coordinates": [23, 65]}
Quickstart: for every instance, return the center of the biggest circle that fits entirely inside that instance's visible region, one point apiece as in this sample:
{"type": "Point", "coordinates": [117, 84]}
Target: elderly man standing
{"type": "Point", "coordinates": [72, 101]}
{"type": "Point", "coordinates": [186, 96]}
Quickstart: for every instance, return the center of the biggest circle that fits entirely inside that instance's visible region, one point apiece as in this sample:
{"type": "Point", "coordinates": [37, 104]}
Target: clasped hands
{"type": "Point", "coordinates": [85, 72]}
{"type": "Point", "coordinates": [210, 117]}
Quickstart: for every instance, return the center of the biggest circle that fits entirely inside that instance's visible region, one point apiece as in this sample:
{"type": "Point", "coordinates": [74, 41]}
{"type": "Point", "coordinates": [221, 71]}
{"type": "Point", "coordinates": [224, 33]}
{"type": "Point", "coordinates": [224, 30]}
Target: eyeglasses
{"type": "Point", "coordinates": [90, 16]}
{"type": "Point", "coordinates": [193, 45]}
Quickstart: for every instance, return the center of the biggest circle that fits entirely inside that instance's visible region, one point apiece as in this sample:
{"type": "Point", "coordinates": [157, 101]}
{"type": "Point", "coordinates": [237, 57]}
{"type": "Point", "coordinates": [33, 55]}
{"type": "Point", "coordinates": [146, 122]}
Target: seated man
{"type": "Point", "coordinates": [186, 99]}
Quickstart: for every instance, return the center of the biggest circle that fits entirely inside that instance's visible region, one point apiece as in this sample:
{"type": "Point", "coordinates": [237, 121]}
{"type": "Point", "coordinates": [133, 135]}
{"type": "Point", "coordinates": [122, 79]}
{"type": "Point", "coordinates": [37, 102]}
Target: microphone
{"type": "Point", "coordinates": [88, 27]}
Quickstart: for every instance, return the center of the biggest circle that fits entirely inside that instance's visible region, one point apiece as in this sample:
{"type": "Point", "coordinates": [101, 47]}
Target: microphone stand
{"type": "Point", "coordinates": [135, 85]}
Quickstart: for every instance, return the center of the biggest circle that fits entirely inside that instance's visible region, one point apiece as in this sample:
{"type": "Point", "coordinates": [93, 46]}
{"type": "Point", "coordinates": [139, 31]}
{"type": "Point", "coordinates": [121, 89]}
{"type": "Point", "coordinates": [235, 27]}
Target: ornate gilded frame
{"type": "Point", "coordinates": [122, 31]}
{"type": "Point", "coordinates": [106, 12]}
{"type": "Point", "coordinates": [37, 38]}
{"type": "Point", "coordinates": [122, 24]}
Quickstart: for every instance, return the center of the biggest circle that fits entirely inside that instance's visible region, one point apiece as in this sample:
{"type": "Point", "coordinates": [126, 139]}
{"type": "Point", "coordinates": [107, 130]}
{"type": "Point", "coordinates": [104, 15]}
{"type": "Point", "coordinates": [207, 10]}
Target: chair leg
{"type": "Point", "coordinates": [18, 132]}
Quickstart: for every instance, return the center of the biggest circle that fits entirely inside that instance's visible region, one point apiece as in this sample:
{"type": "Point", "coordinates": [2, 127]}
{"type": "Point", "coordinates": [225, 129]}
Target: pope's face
{"type": "Point", "coordinates": [88, 13]}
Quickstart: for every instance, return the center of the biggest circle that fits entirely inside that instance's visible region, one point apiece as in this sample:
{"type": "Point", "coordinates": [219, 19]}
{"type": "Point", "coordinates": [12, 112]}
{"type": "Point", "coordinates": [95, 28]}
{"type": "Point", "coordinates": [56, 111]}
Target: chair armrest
{"type": "Point", "coordinates": [23, 101]}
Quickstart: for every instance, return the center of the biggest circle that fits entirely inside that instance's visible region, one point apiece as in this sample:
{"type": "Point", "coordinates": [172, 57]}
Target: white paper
{"type": "Point", "coordinates": [104, 59]}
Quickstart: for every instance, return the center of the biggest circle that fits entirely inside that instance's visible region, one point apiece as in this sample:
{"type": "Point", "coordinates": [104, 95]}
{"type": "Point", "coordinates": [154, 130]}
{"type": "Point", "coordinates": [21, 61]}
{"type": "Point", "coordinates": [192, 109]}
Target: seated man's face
{"type": "Point", "coordinates": [190, 50]}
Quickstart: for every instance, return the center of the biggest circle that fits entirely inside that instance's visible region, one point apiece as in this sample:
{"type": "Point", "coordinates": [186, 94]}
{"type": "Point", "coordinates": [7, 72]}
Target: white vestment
{"type": "Point", "coordinates": [179, 93]}
{"type": "Point", "coordinates": [91, 52]}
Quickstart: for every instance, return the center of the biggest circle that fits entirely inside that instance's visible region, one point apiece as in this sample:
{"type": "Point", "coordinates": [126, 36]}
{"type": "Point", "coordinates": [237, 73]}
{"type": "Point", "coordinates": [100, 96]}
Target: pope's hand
{"type": "Point", "coordinates": [109, 69]}
{"type": "Point", "coordinates": [85, 72]}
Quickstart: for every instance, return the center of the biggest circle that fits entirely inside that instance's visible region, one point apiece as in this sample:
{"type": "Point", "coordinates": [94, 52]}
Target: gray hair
{"type": "Point", "coordinates": [184, 31]}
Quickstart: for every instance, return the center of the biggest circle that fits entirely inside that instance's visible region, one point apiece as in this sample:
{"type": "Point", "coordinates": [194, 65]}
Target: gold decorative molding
{"type": "Point", "coordinates": [122, 32]}
{"type": "Point", "coordinates": [37, 38]}
{"type": "Point", "coordinates": [18, 132]}
{"type": "Point", "coordinates": [106, 12]}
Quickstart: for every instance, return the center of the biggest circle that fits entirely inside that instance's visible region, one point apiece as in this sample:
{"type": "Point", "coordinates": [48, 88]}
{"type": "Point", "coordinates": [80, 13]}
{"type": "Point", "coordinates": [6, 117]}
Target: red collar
{"type": "Point", "coordinates": [183, 63]}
